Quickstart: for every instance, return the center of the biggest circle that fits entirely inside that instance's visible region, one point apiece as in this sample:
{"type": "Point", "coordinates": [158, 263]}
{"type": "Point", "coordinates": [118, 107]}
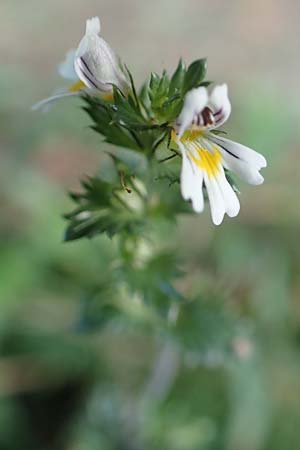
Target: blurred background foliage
{"type": "Point", "coordinates": [83, 369]}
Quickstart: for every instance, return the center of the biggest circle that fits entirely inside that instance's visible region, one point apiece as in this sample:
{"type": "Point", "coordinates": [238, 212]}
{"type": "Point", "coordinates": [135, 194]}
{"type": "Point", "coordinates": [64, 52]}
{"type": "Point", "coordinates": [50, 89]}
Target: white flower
{"type": "Point", "coordinates": [95, 62]}
{"type": "Point", "coordinates": [205, 155]}
{"type": "Point", "coordinates": [93, 66]}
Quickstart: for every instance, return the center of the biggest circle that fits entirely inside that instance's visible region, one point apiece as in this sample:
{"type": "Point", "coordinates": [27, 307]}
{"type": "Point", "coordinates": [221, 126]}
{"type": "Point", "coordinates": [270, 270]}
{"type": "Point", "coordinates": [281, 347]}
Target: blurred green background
{"type": "Point", "coordinates": [67, 379]}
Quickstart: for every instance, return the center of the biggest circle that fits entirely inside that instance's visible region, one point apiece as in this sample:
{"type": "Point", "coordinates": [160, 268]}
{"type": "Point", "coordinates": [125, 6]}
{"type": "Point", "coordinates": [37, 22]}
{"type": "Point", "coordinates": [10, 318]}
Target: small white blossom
{"type": "Point", "coordinates": [95, 62]}
{"type": "Point", "coordinates": [205, 155]}
{"type": "Point", "coordinates": [92, 66]}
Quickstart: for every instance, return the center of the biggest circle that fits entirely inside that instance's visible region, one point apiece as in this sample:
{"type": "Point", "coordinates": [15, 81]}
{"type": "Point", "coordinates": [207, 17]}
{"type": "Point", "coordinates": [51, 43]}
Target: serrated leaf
{"type": "Point", "coordinates": [100, 210]}
{"type": "Point", "coordinates": [103, 122]}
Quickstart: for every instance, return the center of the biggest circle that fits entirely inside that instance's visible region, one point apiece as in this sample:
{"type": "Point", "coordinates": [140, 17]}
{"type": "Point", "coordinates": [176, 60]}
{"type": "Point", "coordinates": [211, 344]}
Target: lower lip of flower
{"type": "Point", "coordinates": [207, 160]}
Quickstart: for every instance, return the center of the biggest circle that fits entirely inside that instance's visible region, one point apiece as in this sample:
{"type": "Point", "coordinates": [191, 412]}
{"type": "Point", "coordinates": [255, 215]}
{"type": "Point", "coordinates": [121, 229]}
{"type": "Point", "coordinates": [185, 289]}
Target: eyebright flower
{"type": "Point", "coordinates": [93, 66]}
{"type": "Point", "coordinates": [205, 154]}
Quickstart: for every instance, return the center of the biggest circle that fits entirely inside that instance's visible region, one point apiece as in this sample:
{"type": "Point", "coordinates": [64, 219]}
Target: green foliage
{"type": "Point", "coordinates": [124, 123]}
{"type": "Point", "coordinates": [107, 124]}
{"type": "Point", "coordinates": [142, 123]}
{"type": "Point", "coordinates": [86, 363]}
{"type": "Point", "coordinates": [90, 359]}
{"type": "Point", "coordinates": [152, 280]}
{"type": "Point", "coordinates": [205, 327]}
{"type": "Point", "coordinates": [139, 121]}
{"type": "Point", "coordinates": [166, 94]}
{"type": "Point", "coordinates": [195, 75]}
{"type": "Point", "coordinates": [136, 196]}
{"type": "Point", "coordinates": [100, 209]}
{"type": "Point", "coordinates": [118, 205]}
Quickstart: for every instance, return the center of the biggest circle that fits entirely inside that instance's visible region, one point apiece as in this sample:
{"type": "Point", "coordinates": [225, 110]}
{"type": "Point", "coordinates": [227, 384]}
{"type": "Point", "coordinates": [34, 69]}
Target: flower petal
{"type": "Point", "coordinates": [204, 164]}
{"type": "Point", "coordinates": [216, 200]}
{"type": "Point", "coordinates": [87, 76]}
{"type": "Point", "coordinates": [222, 198]}
{"type": "Point", "coordinates": [232, 203]}
{"type": "Point", "coordinates": [194, 102]}
{"type": "Point", "coordinates": [93, 26]}
{"type": "Point", "coordinates": [244, 170]}
{"type": "Point", "coordinates": [197, 198]}
{"type": "Point", "coordinates": [240, 151]}
{"type": "Point", "coordinates": [96, 63]}
{"type": "Point", "coordinates": [66, 68]}
{"type": "Point", "coordinates": [220, 105]}
{"type": "Point", "coordinates": [191, 182]}
{"type": "Point", "coordinates": [45, 105]}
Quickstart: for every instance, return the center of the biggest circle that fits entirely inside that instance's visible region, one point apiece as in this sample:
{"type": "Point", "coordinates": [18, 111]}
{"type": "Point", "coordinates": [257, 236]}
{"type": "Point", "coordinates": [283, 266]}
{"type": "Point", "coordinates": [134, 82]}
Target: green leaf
{"type": "Point", "coordinates": [166, 95]}
{"type": "Point", "coordinates": [100, 209]}
{"type": "Point", "coordinates": [195, 75]}
{"type": "Point", "coordinates": [126, 112]}
{"type": "Point", "coordinates": [104, 123]}
{"type": "Point", "coordinates": [163, 87]}
{"type": "Point", "coordinates": [144, 98]}
{"type": "Point", "coordinates": [154, 81]}
{"type": "Point", "coordinates": [134, 93]}
{"type": "Point", "coordinates": [123, 123]}
{"type": "Point", "coordinates": [177, 79]}
{"type": "Point", "coordinates": [159, 88]}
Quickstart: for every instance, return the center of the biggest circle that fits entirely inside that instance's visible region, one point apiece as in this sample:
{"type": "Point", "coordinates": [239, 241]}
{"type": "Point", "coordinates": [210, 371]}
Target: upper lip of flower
{"type": "Point", "coordinates": [202, 111]}
{"type": "Point", "coordinates": [95, 62]}
{"type": "Point", "coordinates": [205, 155]}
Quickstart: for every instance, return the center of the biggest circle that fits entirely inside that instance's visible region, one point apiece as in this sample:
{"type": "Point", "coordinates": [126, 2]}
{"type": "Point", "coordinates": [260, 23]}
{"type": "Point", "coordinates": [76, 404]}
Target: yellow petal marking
{"type": "Point", "coordinates": [189, 135]}
{"type": "Point", "coordinates": [77, 86]}
{"type": "Point", "coordinates": [207, 160]}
